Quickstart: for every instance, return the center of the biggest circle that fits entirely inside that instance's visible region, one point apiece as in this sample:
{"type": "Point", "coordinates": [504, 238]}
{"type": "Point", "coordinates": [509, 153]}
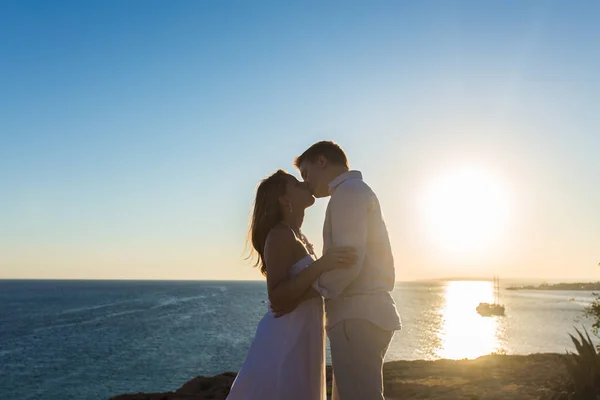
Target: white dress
{"type": "Point", "coordinates": [287, 357]}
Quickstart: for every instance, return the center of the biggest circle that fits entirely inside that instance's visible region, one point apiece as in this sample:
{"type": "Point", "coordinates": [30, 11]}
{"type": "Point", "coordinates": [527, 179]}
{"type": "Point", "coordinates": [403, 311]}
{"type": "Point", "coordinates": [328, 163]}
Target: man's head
{"type": "Point", "coordinates": [320, 164]}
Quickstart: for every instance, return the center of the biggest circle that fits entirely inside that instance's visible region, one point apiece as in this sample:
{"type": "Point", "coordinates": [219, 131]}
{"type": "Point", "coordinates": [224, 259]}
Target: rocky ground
{"type": "Point", "coordinates": [502, 377]}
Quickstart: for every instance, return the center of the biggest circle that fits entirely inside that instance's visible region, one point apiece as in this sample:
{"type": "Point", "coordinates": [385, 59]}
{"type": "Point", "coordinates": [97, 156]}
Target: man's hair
{"type": "Point", "coordinates": [328, 149]}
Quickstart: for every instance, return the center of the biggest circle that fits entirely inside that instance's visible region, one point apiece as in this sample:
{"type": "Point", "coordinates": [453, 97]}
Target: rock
{"type": "Point", "coordinates": [215, 387]}
{"type": "Point", "coordinates": [493, 377]}
{"type": "Point", "coordinates": [199, 388]}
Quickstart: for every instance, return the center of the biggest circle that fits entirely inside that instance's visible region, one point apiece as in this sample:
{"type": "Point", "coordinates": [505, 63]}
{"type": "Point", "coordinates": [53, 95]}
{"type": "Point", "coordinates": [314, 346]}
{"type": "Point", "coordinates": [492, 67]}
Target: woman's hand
{"type": "Point", "coordinates": [338, 257]}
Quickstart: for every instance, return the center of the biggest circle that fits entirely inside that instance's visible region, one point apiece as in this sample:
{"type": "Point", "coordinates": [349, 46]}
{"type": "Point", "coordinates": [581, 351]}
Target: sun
{"type": "Point", "coordinates": [465, 210]}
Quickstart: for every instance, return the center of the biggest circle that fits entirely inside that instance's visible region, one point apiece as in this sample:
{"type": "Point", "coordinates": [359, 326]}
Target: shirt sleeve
{"type": "Point", "coordinates": [349, 213]}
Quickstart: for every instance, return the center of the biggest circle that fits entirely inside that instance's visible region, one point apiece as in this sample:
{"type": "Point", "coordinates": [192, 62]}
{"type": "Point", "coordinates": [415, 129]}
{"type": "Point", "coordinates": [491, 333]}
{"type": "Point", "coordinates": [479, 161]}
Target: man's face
{"type": "Point", "coordinates": [313, 173]}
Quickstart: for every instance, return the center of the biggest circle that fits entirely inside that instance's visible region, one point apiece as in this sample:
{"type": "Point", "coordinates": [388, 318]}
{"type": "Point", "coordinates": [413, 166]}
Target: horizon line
{"type": "Point", "coordinates": [440, 279]}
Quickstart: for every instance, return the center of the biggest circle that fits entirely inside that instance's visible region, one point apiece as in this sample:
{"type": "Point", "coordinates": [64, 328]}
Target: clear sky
{"type": "Point", "coordinates": [133, 133]}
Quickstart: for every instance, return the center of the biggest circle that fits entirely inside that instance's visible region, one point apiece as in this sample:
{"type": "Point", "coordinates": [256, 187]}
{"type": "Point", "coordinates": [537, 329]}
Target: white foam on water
{"type": "Point", "coordinates": [96, 307]}
{"type": "Point", "coordinates": [176, 300]}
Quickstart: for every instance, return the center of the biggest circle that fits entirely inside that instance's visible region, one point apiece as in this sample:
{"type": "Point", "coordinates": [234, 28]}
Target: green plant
{"type": "Point", "coordinates": [583, 367]}
{"type": "Point", "coordinates": [593, 311]}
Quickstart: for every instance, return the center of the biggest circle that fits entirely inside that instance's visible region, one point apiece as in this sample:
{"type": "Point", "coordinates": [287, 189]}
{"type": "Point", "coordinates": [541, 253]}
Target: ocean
{"type": "Point", "coordinates": [62, 340]}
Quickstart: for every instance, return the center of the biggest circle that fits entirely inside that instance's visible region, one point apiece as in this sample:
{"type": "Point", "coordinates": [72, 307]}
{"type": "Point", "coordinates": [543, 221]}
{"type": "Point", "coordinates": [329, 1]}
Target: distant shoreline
{"type": "Point", "coordinates": [587, 286]}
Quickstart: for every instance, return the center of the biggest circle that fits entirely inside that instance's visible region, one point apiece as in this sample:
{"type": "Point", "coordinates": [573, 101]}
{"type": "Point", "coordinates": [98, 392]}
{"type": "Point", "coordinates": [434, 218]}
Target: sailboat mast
{"type": "Point", "coordinates": [495, 290]}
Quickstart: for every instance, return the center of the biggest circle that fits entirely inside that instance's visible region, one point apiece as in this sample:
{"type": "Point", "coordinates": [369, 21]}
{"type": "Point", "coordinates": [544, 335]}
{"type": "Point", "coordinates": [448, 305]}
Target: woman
{"type": "Point", "coordinates": [287, 357]}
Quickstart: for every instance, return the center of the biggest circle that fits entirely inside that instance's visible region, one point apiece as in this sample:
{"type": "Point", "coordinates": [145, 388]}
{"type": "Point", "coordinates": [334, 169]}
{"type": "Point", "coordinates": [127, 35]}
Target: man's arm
{"type": "Point", "coordinates": [349, 222]}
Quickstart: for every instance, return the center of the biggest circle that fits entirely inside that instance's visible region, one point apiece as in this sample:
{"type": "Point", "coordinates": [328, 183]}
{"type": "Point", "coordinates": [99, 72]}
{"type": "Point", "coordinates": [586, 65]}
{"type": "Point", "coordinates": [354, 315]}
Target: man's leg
{"type": "Point", "coordinates": [358, 349]}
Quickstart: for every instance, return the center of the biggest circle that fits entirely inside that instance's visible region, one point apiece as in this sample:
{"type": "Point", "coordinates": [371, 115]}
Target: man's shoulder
{"type": "Point", "coordinates": [353, 187]}
{"type": "Point", "coordinates": [352, 193]}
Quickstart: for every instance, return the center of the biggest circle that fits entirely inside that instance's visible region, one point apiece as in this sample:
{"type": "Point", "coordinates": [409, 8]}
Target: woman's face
{"type": "Point", "coordinates": [298, 193]}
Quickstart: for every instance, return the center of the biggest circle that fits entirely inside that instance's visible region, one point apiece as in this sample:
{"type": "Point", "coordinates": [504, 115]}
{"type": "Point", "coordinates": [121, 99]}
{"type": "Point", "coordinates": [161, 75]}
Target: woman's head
{"type": "Point", "coordinates": [278, 195]}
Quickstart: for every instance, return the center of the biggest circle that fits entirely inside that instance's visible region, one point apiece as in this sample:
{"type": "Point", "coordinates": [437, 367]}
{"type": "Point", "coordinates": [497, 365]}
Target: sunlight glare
{"type": "Point", "coordinates": [465, 210]}
{"type": "Point", "coordinates": [464, 333]}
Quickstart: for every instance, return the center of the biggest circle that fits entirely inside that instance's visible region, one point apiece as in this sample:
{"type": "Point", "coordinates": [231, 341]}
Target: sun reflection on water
{"type": "Point", "coordinates": [464, 333]}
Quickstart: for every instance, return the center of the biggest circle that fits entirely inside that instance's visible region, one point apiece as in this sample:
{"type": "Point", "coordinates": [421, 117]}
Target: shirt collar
{"type": "Point", "coordinates": [343, 178]}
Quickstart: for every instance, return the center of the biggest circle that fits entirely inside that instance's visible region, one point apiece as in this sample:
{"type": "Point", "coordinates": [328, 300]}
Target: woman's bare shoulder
{"type": "Point", "coordinates": [279, 238]}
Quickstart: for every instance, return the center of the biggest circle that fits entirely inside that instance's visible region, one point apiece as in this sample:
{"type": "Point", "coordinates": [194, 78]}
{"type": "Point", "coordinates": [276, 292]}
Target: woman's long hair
{"type": "Point", "coordinates": [266, 215]}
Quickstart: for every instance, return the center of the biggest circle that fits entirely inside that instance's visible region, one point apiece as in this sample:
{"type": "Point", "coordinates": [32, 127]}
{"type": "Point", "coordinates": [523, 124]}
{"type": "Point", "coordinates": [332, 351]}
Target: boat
{"type": "Point", "coordinates": [495, 308]}
{"type": "Point", "coordinates": [488, 310]}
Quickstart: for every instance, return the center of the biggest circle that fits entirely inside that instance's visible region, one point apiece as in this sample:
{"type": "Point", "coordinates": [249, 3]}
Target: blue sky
{"type": "Point", "coordinates": [133, 134]}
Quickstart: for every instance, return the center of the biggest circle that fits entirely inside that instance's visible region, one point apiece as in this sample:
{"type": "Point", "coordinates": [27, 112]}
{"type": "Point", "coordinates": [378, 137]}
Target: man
{"type": "Point", "coordinates": [361, 314]}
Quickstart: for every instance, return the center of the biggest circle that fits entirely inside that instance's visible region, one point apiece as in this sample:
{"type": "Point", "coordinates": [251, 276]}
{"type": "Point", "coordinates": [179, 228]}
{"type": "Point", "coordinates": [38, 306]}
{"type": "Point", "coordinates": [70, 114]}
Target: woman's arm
{"type": "Point", "coordinates": [280, 255]}
{"type": "Point", "coordinates": [285, 292]}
